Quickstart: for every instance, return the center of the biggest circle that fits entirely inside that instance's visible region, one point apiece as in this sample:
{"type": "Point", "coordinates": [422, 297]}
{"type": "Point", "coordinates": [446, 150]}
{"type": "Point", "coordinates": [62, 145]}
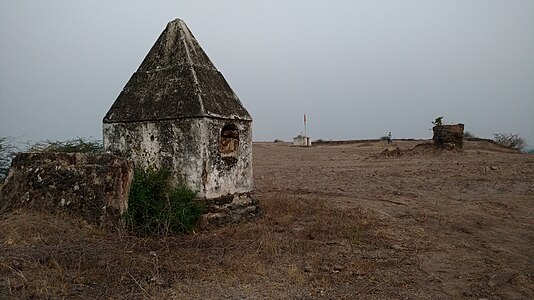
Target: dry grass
{"type": "Point", "coordinates": [293, 249]}
{"type": "Point", "coordinates": [339, 223]}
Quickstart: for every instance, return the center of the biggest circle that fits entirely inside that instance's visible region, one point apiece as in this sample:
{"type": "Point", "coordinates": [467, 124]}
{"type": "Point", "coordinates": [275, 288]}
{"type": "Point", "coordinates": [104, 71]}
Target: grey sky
{"type": "Point", "coordinates": [358, 69]}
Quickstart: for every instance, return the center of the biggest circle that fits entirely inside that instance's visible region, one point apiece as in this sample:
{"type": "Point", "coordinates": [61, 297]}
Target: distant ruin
{"type": "Point", "coordinates": [177, 112]}
{"type": "Point", "coordinates": [301, 140]}
{"type": "Point", "coordinates": [449, 137]}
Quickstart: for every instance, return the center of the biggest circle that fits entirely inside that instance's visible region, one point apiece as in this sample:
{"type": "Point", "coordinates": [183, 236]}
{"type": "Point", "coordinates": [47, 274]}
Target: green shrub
{"type": "Point", "coordinates": [81, 145]}
{"type": "Point", "coordinates": [469, 135]}
{"type": "Point", "coordinates": [7, 151]}
{"type": "Point", "coordinates": [155, 207]}
{"type": "Point", "coordinates": [509, 140]}
{"type": "Point", "coordinates": [438, 121]}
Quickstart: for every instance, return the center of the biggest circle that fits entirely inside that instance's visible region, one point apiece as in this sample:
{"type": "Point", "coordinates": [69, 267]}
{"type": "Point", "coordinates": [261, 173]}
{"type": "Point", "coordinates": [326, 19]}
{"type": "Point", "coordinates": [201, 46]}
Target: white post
{"type": "Point", "coordinates": [305, 131]}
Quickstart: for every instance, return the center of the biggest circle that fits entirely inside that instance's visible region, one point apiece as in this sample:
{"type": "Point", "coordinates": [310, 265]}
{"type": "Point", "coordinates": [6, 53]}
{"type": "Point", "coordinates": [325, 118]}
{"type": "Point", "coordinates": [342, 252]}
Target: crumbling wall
{"type": "Point", "coordinates": [200, 152]}
{"type": "Point", "coordinates": [92, 186]}
{"type": "Point", "coordinates": [449, 137]}
{"type": "Point", "coordinates": [226, 175]}
{"type": "Point", "coordinates": [171, 144]}
{"type": "Point", "coordinates": [190, 149]}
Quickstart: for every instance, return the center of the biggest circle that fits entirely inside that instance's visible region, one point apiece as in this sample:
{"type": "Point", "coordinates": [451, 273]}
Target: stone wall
{"type": "Point", "coordinates": [449, 136]}
{"type": "Point", "coordinates": [190, 149]}
{"type": "Point", "coordinates": [92, 186]}
{"type": "Point", "coordinates": [171, 144]}
{"type": "Point", "coordinates": [223, 176]}
{"type": "Point", "coordinates": [198, 152]}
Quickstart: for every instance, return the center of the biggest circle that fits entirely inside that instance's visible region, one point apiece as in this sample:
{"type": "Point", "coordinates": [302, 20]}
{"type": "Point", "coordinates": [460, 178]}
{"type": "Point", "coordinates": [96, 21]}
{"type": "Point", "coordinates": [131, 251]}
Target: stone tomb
{"type": "Point", "coordinates": [178, 112]}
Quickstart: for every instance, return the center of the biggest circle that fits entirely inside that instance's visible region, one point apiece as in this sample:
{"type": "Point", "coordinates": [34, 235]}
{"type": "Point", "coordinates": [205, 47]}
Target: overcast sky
{"type": "Point", "coordinates": [358, 69]}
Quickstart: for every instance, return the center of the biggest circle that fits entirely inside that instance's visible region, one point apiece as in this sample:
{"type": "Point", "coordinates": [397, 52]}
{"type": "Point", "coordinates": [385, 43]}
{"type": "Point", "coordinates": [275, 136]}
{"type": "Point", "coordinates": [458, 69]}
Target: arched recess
{"type": "Point", "coordinates": [229, 143]}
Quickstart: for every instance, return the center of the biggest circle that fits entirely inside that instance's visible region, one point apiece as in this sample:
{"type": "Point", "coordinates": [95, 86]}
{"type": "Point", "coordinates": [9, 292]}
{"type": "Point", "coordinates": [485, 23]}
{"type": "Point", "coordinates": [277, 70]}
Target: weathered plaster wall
{"type": "Point", "coordinates": [173, 144]}
{"type": "Point", "coordinates": [227, 176]}
{"type": "Point", "coordinates": [92, 186]}
{"type": "Point", "coordinates": [301, 140]}
{"type": "Point", "coordinates": [189, 148]}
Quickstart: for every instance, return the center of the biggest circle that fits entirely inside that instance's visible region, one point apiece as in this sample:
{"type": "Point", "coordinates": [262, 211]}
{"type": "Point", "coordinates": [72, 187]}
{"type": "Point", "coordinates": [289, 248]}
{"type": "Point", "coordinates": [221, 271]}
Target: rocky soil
{"type": "Point", "coordinates": [341, 221]}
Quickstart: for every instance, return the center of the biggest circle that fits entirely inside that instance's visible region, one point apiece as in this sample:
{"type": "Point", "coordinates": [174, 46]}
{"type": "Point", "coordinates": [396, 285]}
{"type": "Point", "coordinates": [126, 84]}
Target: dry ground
{"type": "Point", "coordinates": [340, 222]}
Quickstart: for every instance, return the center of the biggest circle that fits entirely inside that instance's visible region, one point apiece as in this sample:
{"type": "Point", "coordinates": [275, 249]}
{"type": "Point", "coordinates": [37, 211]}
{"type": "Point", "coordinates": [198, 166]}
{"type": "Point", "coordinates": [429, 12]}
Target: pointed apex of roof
{"type": "Point", "coordinates": [176, 80]}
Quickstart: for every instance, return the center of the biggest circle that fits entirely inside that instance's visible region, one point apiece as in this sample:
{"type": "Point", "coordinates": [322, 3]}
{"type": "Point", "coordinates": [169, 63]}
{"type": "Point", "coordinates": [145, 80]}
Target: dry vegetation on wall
{"type": "Point", "coordinates": [9, 148]}
{"type": "Point", "coordinates": [79, 144]}
{"type": "Point", "coordinates": [7, 151]}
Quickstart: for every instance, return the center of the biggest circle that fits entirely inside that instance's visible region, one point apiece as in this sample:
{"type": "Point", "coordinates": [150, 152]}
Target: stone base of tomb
{"type": "Point", "coordinates": [230, 209]}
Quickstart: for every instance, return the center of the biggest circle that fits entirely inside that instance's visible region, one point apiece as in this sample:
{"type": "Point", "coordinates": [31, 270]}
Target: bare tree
{"type": "Point", "coordinates": [510, 140]}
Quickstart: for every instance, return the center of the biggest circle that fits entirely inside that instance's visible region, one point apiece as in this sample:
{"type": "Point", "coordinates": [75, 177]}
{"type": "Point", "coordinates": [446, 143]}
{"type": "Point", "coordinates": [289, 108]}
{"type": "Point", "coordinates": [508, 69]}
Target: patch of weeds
{"type": "Point", "coordinates": [8, 150]}
{"type": "Point", "coordinates": [80, 145]}
{"type": "Point", "coordinates": [355, 235]}
{"type": "Point", "coordinates": [156, 207]}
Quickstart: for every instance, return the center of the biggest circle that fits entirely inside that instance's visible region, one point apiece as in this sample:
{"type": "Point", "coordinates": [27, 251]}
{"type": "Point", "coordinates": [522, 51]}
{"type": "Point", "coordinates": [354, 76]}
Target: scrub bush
{"type": "Point", "coordinates": [509, 140]}
{"type": "Point", "coordinates": [156, 207]}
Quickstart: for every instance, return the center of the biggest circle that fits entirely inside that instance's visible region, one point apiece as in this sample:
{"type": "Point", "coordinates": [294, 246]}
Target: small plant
{"type": "Point", "coordinates": [509, 140]}
{"type": "Point", "coordinates": [81, 145]}
{"type": "Point", "coordinates": [155, 207]}
{"type": "Point", "coordinates": [7, 151]}
{"type": "Point", "coordinates": [438, 121]}
{"type": "Point", "coordinates": [384, 138]}
{"type": "Point", "coordinates": [469, 135]}
{"type": "Point", "coordinates": [278, 141]}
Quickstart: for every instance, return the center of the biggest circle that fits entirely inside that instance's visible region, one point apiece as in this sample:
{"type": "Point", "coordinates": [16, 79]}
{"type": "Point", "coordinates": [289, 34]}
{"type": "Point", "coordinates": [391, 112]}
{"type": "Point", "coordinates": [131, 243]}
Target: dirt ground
{"type": "Point", "coordinates": [340, 222]}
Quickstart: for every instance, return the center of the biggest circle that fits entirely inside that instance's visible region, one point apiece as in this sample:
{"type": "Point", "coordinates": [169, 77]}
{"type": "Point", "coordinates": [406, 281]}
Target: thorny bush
{"type": "Point", "coordinates": [509, 140]}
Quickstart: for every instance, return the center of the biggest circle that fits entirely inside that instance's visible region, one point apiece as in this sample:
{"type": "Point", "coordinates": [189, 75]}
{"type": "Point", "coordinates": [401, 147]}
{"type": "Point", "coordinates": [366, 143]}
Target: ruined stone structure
{"type": "Point", "coordinates": [92, 186]}
{"type": "Point", "coordinates": [449, 136]}
{"type": "Point", "coordinates": [178, 112]}
{"type": "Point", "coordinates": [301, 140]}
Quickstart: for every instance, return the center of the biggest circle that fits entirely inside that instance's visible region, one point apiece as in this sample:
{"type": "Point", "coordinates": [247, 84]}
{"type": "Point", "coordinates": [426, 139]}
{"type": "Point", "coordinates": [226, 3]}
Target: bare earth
{"type": "Point", "coordinates": [340, 222]}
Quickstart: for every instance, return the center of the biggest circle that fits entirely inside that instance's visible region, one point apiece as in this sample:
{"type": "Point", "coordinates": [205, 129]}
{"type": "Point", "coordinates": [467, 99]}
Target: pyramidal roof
{"type": "Point", "coordinates": [176, 80]}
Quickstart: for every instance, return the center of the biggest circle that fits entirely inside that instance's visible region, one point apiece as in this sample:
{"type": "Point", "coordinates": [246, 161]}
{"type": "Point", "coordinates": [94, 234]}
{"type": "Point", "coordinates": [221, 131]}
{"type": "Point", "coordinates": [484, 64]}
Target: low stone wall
{"type": "Point", "coordinates": [449, 137]}
{"type": "Point", "coordinates": [92, 186]}
{"type": "Point", "coordinates": [231, 209]}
